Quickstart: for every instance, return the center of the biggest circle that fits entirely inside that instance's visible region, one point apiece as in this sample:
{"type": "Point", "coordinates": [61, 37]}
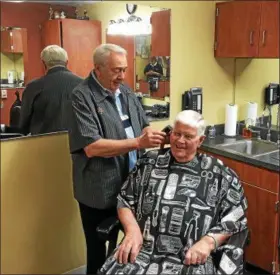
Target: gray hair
{"type": "Point", "coordinates": [193, 119]}
{"type": "Point", "coordinates": [103, 51]}
{"type": "Point", "coordinates": [54, 55]}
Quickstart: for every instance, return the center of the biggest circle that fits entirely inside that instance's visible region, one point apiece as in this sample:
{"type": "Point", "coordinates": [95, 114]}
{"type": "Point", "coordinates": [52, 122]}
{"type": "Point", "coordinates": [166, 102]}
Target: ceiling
{"type": "Point", "coordinates": [67, 3]}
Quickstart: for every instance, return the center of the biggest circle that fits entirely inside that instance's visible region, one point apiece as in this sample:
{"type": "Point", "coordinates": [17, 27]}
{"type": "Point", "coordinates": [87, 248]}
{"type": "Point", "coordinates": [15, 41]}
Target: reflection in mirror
{"type": "Point", "coordinates": [75, 25]}
{"type": "Point", "coordinates": [147, 42]}
{"type": "Point", "coordinates": [14, 59]}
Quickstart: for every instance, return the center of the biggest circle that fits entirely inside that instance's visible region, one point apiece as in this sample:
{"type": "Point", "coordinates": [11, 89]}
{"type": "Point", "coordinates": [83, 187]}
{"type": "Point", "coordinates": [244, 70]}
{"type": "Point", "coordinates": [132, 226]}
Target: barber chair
{"type": "Point", "coordinates": [15, 111]}
{"type": "Point", "coordinates": [108, 229]}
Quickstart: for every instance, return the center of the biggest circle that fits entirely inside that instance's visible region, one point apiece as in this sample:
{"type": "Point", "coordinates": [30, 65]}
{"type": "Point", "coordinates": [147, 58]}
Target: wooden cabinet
{"type": "Point", "coordinates": [128, 43]}
{"type": "Point", "coordinates": [78, 37]}
{"type": "Point", "coordinates": [270, 29]}
{"type": "Point", "coordinates": [161, 33]}
{"type": "Point", "coordinates": [6, 104]}
{"type": "Point", "coordinates": [261, 188]}
{"type": "Point", "coordinates": [12, 41]}
{"type": "Point", "coordinates": [247, 29]}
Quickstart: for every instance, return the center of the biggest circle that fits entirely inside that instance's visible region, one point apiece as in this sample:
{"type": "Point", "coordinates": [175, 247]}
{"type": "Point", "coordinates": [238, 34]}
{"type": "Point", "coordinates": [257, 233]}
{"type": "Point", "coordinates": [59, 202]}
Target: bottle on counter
{"type": "Point", "coordinates": [212, 132]}
{"type": "Point", "coordinates": [246, 132]}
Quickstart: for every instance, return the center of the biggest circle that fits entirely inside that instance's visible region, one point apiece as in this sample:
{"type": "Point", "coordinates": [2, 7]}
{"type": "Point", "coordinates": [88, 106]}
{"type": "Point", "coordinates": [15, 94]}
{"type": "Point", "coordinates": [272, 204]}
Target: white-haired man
{"type": "Point", "coordinates": [177, 207]}
{"type": "Point", "coordinates": [108, 128]}
{"type": "Point", "coordinates": [44, 99]}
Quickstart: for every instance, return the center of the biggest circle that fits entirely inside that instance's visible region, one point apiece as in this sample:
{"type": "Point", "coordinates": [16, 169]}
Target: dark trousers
{"type": "Point", "coordinates": [96, 249]}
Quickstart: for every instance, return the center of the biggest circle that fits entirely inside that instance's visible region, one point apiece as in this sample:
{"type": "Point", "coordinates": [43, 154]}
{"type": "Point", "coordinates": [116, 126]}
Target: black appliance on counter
{"type": "Point", "coordinates": [153, 84]}
{"type": "Point", "coordinates": [159, 111]}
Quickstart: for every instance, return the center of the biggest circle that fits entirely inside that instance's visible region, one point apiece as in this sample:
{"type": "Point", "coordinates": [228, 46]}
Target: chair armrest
{"type": "Point", "coordinates": [240, 239]}
{"type": "Point", "coordinates": [107, 229]}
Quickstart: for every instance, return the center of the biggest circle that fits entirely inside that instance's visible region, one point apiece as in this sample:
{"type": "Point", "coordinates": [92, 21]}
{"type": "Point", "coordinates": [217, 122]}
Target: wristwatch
{"type": "Point", "coordinates": [212, 235]}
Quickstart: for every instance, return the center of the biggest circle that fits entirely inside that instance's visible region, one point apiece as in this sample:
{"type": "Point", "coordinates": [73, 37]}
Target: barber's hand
{"type": "Point", "coordinates": [131, 245]}
{"type": "Point", "coordinates": [151, 138]}
{"type": "Point", "coordinates": [199, 252]}
{"type": "Point", "coordinates": [166, 141]}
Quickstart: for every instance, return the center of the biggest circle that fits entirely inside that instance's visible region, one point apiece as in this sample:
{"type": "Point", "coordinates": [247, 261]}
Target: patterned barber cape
{"type": "Point", "coordinates": [175, 205]}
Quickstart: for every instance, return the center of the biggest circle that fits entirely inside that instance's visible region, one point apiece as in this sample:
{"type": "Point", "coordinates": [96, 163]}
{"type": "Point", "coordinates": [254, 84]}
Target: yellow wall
{"type": "Point", "coordinates": [193, 62]}
{"type": "Point", "coordinates": [140, 64]}
{"type": "Point", "coordinates": [252, 75]}
{"type": "Point", "coordinates": [192, 57]}
{"type": "Point", "coordinates": [11, 61]}
{"type": "Point", "coordinates": [41, 230]}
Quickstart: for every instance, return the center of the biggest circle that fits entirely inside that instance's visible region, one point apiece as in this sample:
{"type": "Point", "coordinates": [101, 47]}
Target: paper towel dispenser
{"type": "Point", "coordinates": [272, 94]}
{"type": "Point", "coordinates": [192, 100]}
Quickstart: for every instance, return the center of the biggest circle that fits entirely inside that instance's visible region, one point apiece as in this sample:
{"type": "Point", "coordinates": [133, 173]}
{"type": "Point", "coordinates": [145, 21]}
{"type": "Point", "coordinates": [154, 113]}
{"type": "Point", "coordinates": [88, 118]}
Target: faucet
{"type": "Point", "coordinates": [268, 124]}
{"type": "Point", "coordinates": [258, 132]}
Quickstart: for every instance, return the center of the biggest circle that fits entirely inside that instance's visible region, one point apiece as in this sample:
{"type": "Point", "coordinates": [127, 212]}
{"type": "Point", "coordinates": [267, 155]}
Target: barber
{"type": "Point", "coordinates": [107, 133]}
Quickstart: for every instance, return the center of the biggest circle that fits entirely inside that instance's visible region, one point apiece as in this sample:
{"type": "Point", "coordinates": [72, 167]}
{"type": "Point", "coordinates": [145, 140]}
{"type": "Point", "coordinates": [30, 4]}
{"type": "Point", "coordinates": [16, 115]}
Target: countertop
{"type": "Point", "coordinates": [265, 161]}
{"type": "Point", "coordinates": [4, 87]}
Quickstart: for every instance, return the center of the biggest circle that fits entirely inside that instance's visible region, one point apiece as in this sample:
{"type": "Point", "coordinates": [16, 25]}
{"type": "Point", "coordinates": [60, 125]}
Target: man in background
{"type": "Point", "coordinates": [153, 69]}
{"type": "Point", "coordinates": [108, 128]}
{"type": "Point", "coordinates": [44, 99]}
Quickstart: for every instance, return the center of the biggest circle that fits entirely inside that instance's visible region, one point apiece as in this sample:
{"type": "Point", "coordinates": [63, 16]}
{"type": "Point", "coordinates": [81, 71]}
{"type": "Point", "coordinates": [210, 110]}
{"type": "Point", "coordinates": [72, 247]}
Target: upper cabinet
{"type": "Point", "coordinates": [12, 41]}
{"type": "Point", "coordinates": [78, 37]}
{"type": "Point", "coordinates": [247, 29]}
{"type": "Point", "coordinates": [161, 33]}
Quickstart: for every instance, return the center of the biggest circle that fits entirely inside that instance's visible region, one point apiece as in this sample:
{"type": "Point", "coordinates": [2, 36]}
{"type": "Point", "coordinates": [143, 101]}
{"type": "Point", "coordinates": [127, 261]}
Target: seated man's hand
{"type": "Point", "coordinates": [130, 246]}
{"type": "Point", "coordinates": [199, 252]}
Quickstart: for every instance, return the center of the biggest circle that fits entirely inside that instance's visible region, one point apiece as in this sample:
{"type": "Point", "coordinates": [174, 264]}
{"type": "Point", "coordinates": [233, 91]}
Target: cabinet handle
{"type": "Point", "coordinates": [251, 37]}
{"type": "Point", "coordinates": [263, 37]}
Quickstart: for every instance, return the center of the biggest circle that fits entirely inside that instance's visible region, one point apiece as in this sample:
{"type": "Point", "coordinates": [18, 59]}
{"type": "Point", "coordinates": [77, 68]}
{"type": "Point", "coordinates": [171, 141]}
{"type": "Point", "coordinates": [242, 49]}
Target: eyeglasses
{"type": "Point", "coordinates": [186, 137]}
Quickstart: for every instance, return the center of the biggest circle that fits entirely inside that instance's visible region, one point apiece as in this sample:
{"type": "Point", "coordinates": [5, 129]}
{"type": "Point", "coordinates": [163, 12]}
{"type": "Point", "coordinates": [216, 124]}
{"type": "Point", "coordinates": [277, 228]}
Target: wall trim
{"type": "Point", "coordinates": [78, 270]}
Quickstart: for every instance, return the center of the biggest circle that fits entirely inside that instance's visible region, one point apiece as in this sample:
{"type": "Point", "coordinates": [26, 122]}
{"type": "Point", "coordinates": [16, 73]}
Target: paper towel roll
{"type": "Point", "coordinates": [231, 120]}
{"type": "Point", "coordinates": [252, 113]}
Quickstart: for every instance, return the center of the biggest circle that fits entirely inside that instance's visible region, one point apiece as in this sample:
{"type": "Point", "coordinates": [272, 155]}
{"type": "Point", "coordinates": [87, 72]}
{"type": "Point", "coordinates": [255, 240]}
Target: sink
{"type": "Point", "coordinates": [250, 147]}
{"type": "Point", "coordinates": [275, 155]}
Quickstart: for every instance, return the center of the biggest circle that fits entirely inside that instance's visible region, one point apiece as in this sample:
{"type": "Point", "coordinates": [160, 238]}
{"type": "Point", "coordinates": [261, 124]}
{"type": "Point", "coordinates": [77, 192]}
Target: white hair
{"type": "Point", "coordinates": [102, 52]}
{"type": "Point", "coordinates": [192, 119]}
{"type": "Point", "coordinates": [54, 55]}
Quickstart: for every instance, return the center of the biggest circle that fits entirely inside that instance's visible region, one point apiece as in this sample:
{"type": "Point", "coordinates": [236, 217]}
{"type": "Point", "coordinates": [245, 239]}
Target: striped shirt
{"type": "Point", "coordinates": [93, 115]}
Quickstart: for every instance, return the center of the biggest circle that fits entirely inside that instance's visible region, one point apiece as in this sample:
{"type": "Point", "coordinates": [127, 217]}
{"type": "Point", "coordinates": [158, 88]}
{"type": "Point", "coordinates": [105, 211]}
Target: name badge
{"type": "Point", "coordinates": [124, 117]}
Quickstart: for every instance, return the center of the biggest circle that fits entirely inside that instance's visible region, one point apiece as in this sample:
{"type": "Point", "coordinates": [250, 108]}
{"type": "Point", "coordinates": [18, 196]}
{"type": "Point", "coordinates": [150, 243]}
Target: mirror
{"type": "Point", "coordinates": [31, 34]}
{"type": "Point", "coordinates": [148, 47]}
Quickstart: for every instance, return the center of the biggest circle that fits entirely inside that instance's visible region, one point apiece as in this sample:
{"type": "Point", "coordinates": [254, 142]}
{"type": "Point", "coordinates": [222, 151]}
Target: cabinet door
{"type": "Point", "coordinates": [51, 33]}
{"type": "Point", "coordinates": [262, 222]}
{"type": "Point", "coordinates": [17, 41]}
{"type": "Point", "coordinates": [79, 39]}
{"type": "Point", "coordinates": [270, 28]}
{"type": "Point", "coordinates": [6, 42]}
{"type": "Point", "coordinates": [237, 29]}
{"type": "Point", "coordinates": [161, 33]}
{"type": "Point", "coordinates": [128, 43]}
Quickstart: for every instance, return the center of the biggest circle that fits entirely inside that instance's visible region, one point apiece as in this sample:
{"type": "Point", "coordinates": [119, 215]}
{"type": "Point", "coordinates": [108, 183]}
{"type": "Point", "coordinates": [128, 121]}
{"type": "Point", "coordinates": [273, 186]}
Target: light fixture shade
{"type": "Point", "coordinates": [129, 27]}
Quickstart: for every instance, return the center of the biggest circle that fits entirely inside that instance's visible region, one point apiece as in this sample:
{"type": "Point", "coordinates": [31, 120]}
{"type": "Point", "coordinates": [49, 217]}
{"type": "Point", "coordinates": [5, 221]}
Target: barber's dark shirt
{"type": "Point", "coordinates": [44, 99]}
{"type": "Point", "coordinates": [156, 68]}
{"type": "Point", "coordinates": [93, 115]}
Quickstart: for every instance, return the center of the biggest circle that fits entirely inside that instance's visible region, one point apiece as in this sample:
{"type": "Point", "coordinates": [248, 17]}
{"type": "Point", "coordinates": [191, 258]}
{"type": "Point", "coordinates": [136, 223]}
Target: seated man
{"type": "Point", "coordinates": [178, 206]}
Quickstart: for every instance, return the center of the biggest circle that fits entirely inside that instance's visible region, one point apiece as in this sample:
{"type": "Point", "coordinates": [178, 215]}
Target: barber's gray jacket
{"type": "Point", "coordinates": [94, 115]}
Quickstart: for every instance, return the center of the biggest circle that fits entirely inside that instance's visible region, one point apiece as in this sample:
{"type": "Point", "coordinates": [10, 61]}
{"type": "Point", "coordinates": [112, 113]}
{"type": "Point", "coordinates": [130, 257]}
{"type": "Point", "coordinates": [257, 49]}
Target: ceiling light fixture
{"type": "Point", "coordinates": [133, 25]}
